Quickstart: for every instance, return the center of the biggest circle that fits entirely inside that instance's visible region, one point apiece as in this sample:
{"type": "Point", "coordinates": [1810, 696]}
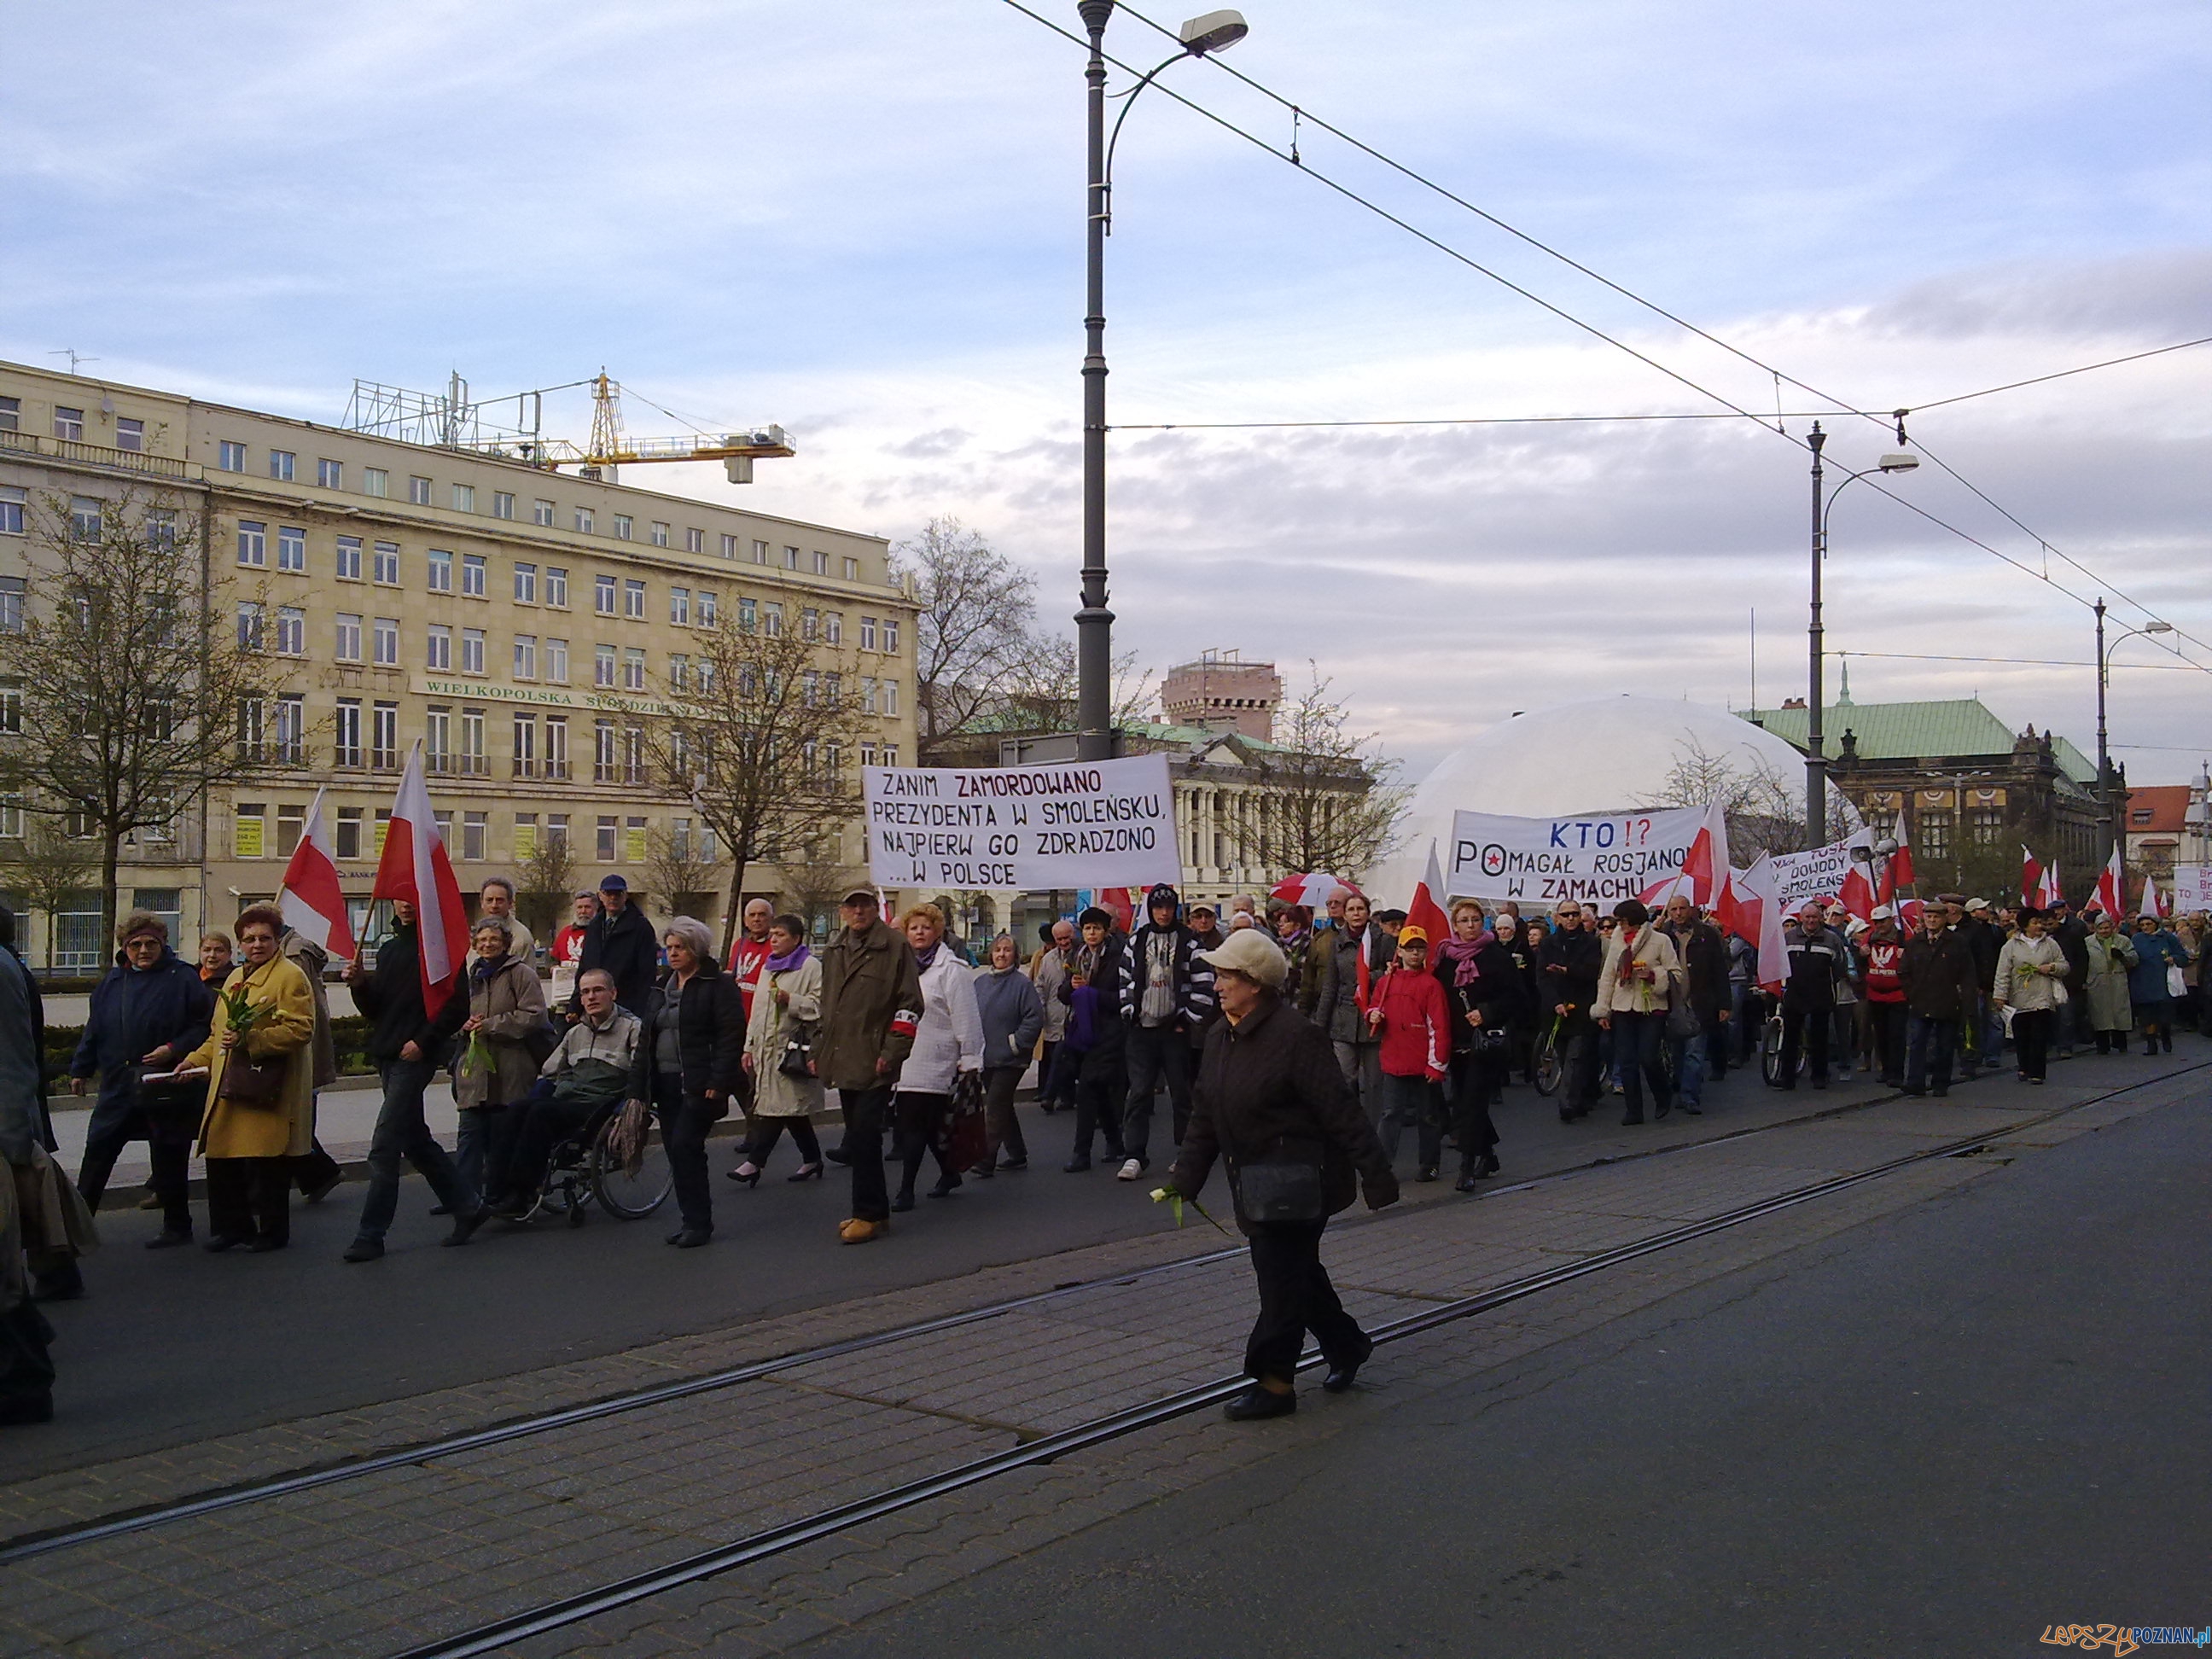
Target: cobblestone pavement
{"type": "Point", "coordinates": [377, 1564]}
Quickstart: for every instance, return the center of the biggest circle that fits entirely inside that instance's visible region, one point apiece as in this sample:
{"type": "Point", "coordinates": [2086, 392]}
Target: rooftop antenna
{"type": "Point", "coordinates": [73, 356]}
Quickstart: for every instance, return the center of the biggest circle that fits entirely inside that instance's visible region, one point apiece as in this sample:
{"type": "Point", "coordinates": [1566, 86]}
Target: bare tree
{"type": "Point", "coordinates": [762, 740]}
{"type": "Point", "coordinates": [974, 632]}
{"type": "Point", "coordinates": [1044, 684]}
{"type": "Point", "coordinates": [48, 868]}
{"type": "Point", "coordinates": [544, 883]}
{"type": "Point", "coordinates": [1766, 808]}
{"type": "Point", "coordinates": [810, 891]}
{"type": "Point", "coordinates": [681, 872]}
{"type": "Point", "coordinates": [1329, 804]}
{"type": "Point", "coordinates": [145, 684]}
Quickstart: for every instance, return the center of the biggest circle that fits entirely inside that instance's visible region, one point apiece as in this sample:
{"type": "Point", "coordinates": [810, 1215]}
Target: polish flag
{"type": "Point", "coordinates": [2111, 884]}
{"type": "Point", "coordinates": [313, 905]}
{"type": "Point", "coordinates": [1857, 895]}
{"type": "Point", "coordinates": [2154, 902]}
{"type": "Point", "coordinates": [2049, 893]}
{"type": "Point", "coordinates": [415, 867]}
{"type": "Point", "coordinates": [1314, 891]}
{"type": "Point", "coordinates": [1423, 911]}
{"type": "Point", "coordinates": [1760, 906]}
{"type": "Point", "coordinates": [2030, 877]}
{"type": "Point", "coordinates": [1704, 866]}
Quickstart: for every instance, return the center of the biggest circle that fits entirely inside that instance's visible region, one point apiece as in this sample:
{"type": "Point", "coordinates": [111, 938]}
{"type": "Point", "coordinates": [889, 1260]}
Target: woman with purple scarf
{"type": "Point", "coordinates": [1486, 993]}
{"type": "Point", "coordinates": [786, 1006]}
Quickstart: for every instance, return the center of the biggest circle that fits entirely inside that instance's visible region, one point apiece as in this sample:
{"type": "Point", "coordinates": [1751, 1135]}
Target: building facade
{"type": "Point", "coordinates": [520, 623]}
{"type": "Point", "coordinates": [2168, 824]}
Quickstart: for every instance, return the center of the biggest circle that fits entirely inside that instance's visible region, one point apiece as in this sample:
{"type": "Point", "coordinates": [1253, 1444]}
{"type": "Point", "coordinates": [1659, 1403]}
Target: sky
{"type": "Point", "coordinates": [865, 223]}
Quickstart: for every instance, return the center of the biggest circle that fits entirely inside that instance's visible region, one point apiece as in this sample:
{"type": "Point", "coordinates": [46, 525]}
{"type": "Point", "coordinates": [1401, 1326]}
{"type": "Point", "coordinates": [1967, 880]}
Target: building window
{"type": "Point", "coordinates": [377, 836]}
{"type": "Point", "coordinates": [418, 491]}
{"type": "Point", "coordinates": [747, 615]}
{"type": "Point", "coordinates": [557, 661]}
{"type": "Point", "coordinates": [248, 821]}
{"type": "Point", "coordinates": [679, 606]}
{"type": "Point", "coordinates": [621, 526]}
{"type": "Point", "coordinates": [472, 651]}
{"type": "Point", "coordinates": [556, 586]}
{"type": "Point", "coordinates": [249, 728]}
{"type": "Point", "coordinates": [602, 595]}
{"type": "Point", "coordinates": [87, 515]}
{"type": "Point", "coordinates": [821, 564]}
{"type": "Point", "coordinates": [384, 736]}
{"type": "Point", "coordinates": [634, 668]}
{"type": "Point", "coordinates": [526, 584]}
{"type": "Point", "coordinates": [729, 547]}
{"type": "Point", "coordinates": [868, 759]}
{"type": "Point", "coordinates": [348, 835]}
{"type": "Point", "coordinates": [440, 564]}
{"type": "Point", "coordinates": [291, 547]}
{"type": "Point", "coordinates": [472, 835]}
{"type": "Point", "coordinates": [385, 640]}
{"type": "Point", "coordinates": [437, 739]}
{"type": "Point", "coordinates": [465, 498]}
{"type": "Point", "coordinates": [526, 745]}
{"type": "Point", "coordinates": [13, 500]}
{"type": "Point", "coordinates": [330, 475]}
{"type": "Point", "coordinates": [375, 481]}
{"type": "Point", "coordinates": [230, 456]}
{"type": "Point", "coordinates": [852, 570]}
{"type": "Point", "coordinates": [292, 729]}
{"type": "Point", "coordinates": [440, 652]}
{"type": "Point", "coordinates": [891, 636]}
{"type": "Point", "coordinates": [709, 607]}
{"type": "Point", "coordinates": [472, 743]}
{"type": "Point", "coordinates": [280, 463]}
{"type": "Point", "coordinates": [810, 688]}
{"type": "Point", "coordinates": [603, 665]}
{"type": "Point", "coordinates": [867, 633]}
{"type": "Point", "coordinates": [11, 414]}
{"type": "Point", "coordinates": [252, 544]}
{"type": "Point", "coordinates": [526, 656]}
{"type": "Point", "coordinates": [503, 504]}
{"type": "Point", "coordinates": [541, 512]}
{"type": "Point", "coordinates": [68, 424]}
{"type": "Point", "coordinates": [1935, 836]}
{"type": "Point", "coordinates": [634, 841]}
{"type": "Point", "coordinates": [890, 754]}
{"type": "Point", "coordinates": [291, 631]}
{"type": "Point", "coordinates": [472, 575]}
{"type": "Point", "coordinates": [867, 697]}
{"type": "Point", "coordinates": [386, 565]}
{"type": "Point", "coordinates": [556, 753]}
{"type": "Point", "coordinates": [891, 697]}
{"type": "Point", "coordinates": [583, 520]}
{"type": "Point", "coordinates": [346, 643]}
{"type": "Point", "coordinates": [606, 847]}
{"type": "Point", "coordinates": [12, 709]}
{"type": "Point", "coordinates": [1984, 825]}
{"type": "Point", "coordinates": [772, 619]}
{"type": "Point", "coordinates": [634, 600]}
{"type": "Point", "coordinates": [131, 435]}
{"type": "Point", "coordinates": [604, 750]}
{"type": "Point", "coordinates": [833, 627]}
{"type": "Point", "coordinates": [679, 671]}
{"type": "Point", "coordinates": [349, 559]}
{"type": "Point", "coordinates": [695, 541]}
{"type": "Point", "coordinates": [345, 732]}
{"type": "Point", "coordinates": [657, 533]}
{"type": "Point", "coordinates": [760, 552]}
{"type": "Point", "coordinates": [810, 624]}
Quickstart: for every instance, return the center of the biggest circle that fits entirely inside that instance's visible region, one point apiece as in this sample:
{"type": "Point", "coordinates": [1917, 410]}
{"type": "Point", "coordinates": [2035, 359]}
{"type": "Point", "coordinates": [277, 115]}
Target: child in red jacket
{"type": "Point", "coordinates": [1408, 1011]}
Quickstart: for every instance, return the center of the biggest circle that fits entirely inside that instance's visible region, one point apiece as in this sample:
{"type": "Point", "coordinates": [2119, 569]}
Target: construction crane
{"type": "Point", "coordinates": [453, 421]}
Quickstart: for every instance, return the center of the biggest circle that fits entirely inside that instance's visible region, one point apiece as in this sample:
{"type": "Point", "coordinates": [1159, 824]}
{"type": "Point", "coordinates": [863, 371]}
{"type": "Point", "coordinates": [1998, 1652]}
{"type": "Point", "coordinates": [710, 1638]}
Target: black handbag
{"type": "Point", "coordinates": [1289, 1190]}
{"type": "Point", "coordinates": [798, 1050]}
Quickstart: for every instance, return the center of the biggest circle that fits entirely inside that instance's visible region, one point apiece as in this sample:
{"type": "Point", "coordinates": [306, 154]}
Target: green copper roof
{"type": "Point", "coordinates": [1912, 731]}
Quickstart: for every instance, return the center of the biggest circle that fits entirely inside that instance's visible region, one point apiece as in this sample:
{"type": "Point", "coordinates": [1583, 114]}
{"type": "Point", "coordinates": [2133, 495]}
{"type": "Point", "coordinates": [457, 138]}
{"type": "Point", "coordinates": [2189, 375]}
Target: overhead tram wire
{"type": "Point", "coordinates": [2185, 666]}
{"type": "Point", "coordinates": [1305, 115]}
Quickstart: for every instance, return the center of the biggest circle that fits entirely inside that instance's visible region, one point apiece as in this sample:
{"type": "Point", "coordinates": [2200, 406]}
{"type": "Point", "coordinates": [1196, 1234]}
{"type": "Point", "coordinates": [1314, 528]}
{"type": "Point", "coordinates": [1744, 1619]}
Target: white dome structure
{"type": "Point", "coordinates": [1604, 755]}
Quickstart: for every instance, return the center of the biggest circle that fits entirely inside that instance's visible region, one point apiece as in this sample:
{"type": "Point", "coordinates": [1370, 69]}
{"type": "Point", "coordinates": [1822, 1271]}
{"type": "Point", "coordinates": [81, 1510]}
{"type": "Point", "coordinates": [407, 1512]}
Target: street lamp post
{"type": "Point", "coordinates": [1094, 622]}
{"type": "Point", "coordinates": [2106, 835]}
{"type": "Point", "coordinates": [1816, 759]}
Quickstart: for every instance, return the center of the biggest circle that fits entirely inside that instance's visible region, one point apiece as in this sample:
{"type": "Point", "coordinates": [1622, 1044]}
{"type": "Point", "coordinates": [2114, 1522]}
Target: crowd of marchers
{"type": "Point", "coordinates": [649, 1033]}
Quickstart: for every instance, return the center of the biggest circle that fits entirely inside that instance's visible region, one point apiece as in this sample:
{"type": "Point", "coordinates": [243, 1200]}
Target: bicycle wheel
{"type": "Point", "coordinates": [1770, 1051]}
{"type": "Point", "coordinates": [1550, 1069]}
{"type": "Point", "coordinates": [630, 1196]}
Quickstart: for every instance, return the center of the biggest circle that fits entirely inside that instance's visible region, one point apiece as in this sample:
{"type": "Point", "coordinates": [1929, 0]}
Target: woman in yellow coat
{"type": "Point", "coordinates": [246, 1144]}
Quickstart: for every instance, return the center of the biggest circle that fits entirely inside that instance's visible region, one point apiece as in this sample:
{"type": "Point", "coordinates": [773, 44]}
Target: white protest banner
{"type": "Point", "coordinates": [1817, 874]}
{"type": "Point", "coordinates": [2192, 888]}
{"type": "Point", "coordinates": [1593, 858]}
{"type": "Point", "coordinates": [1087, 823]}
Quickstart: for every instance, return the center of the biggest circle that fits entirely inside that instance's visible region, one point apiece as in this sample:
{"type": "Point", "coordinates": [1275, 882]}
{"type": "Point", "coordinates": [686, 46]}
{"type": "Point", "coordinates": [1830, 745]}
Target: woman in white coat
{"type": "Point", "coordinates": [948, 1041]}
{"type": "Point", "coordinates": [787, 1003]}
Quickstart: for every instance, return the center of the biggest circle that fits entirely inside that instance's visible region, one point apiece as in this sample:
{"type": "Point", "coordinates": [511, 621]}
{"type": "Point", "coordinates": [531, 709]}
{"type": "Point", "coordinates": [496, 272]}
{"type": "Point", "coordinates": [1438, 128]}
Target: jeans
{"type": "Point", "coordinates": [1156, 1054]}
{"type": "Point", "coordinates": [1689, 1053]}
{"type": "Point", "coordinates": [1927, 1045]}
{"type": "Point", "coordinates": [1410, 1100]}
{"type": "Point", "coordinates": [1636, 1050]}
{"type": "Point", "coordinates": [865, 1112]}
{"type": "Point", "coordinates": [2030, 1036]}
{"type": "Point", "coordinates": [1362, 1066]}
{"type": "Point", "coordinates": [1295, 1298]}
{"type": "Point", "coordinates": [684, 1121]}
{"type": "Point", "coordinates": [485, 1144]}
{"type": "Point", "coordinates": [250, 1198]}
{"type": "Point", "coordinates": [1806, 1030]}
{"type": "Point", "coordinates": [401, 1134]}
{"type": "Point", "coordinates": [1885, 1036]}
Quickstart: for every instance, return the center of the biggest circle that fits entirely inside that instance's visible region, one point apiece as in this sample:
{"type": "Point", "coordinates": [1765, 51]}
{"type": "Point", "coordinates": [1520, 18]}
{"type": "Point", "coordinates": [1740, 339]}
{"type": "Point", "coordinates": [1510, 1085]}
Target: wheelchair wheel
{"type": "Point", "coordinates": [632, 1197]}
{"type": "Point", "coordinates": [1549, 1069]}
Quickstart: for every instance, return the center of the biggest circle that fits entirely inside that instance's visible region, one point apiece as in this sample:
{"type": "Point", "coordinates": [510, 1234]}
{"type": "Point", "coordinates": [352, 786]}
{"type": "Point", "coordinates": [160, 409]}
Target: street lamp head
{"type": "Point", "coordinates": [1902, 461]}
{"type": "Point", "coordinates": [1213, 32]}
{"type": "Point", "coordinates": [2158, 628]}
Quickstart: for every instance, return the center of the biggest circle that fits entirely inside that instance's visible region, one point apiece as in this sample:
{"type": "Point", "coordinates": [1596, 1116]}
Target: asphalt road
{"type": "Point", "coordinates": [1937, 1433]}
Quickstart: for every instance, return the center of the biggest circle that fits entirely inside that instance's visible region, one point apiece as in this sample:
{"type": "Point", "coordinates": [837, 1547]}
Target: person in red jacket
{"type": "Point", "coordinates": [1408, 1014]}
{"type": "Point", "coordinates": [1883, 965]}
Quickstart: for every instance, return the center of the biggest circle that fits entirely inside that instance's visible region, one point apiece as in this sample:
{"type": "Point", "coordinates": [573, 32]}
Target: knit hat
{"type": "Point", "coordinates": [1163, 897]}
{"type": "Point", "coordinates": [1250, 952]}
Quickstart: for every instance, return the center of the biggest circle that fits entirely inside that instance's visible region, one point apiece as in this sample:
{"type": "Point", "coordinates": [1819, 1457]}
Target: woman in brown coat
{"type": "Point", "coordinates": [248, 1142]}
{"type": "Point", "coordinates": [1271, 1101]}
{"type": "Point", "coordinates": [506, 1005]}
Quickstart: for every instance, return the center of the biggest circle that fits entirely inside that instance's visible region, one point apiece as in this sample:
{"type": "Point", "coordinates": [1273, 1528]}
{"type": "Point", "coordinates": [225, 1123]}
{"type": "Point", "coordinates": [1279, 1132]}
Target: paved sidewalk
{"type": "Point", "coordinates": [379, 1563]}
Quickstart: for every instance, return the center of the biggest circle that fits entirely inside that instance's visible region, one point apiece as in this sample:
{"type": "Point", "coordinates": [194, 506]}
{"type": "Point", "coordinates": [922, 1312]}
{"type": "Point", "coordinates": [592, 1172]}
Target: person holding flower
{"type": "Point", "coordinates": [260, 1110]}
{"type": "Point", "coordinates": [494, 1072]}
{"type": "Point", "coordinates": [2030, 972]}
{"type": "Point", "coordinates": [791, 975]}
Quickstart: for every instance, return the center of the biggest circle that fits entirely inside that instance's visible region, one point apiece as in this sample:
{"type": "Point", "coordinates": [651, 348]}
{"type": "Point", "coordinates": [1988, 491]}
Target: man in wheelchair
{"type": "Point", "coordinates": [585, 1077]}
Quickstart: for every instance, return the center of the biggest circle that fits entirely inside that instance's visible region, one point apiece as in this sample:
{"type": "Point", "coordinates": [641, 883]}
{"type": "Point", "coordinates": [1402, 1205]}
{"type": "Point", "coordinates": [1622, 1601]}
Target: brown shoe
{"type": "Point", "coordinates": [857, 1231]}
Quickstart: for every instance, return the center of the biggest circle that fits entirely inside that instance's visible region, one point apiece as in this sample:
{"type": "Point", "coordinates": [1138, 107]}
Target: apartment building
{"type": "Point", "coordinates": [518, 622]}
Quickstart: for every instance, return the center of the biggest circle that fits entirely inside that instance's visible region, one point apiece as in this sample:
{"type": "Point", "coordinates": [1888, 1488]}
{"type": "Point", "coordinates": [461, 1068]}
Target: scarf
{"type": "Point", "coordinates": [796, 959]}
{"type": "Point", "coordinates": [927, 959]}
{"type": "Point", "coordinates": [1461, 953]}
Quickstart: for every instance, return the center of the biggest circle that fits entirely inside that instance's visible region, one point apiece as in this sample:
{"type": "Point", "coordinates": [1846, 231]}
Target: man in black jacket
{"type": "Point", "coordinates": [621, 940]}
{"type": "Point", "coordinates": [1568, 963]}
{"type": "Point", "coordinates": [1941, 989]}
{"type": "Point", "coordinates": [408, 1043]}
{"type": "Point", "coordinates": [1705, 978]}
{"type": "Point", "coordinates": [2073, 939]}
{"type": "Point", "coordinates": [1819, 961]}
{"type": "Point", "coordinates": [1982, 1034]}
{"type": "Point", "coordinates": [1167, 993]}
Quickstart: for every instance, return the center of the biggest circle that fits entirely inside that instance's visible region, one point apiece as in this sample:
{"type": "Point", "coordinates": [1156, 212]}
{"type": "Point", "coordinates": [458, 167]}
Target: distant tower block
{"type": "Point", "coordinates": [1222, 692]}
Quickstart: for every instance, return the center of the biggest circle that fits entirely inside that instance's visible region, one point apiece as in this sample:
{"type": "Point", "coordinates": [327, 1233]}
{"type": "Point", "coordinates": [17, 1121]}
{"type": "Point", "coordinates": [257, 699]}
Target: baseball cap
{"type": "Point", "coordinates": [613, 884]}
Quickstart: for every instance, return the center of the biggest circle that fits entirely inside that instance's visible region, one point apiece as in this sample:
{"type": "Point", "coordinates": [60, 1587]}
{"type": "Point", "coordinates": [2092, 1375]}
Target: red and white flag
{"type": "Point", "coordinates": [2111, 884]}
{"type": "Point", "coordinates": [1857, 894]}
{"type": "Point", "coordinates": [1705, 870]}
{"type": "Point", "coordinates": [314, 904]}
{"type": "Point", "coordinates": [1757, 901]}
{"type": "Point", "coordinates": [2030, 877]}
{"type": "Point", "coordinates": [1422, 910]}
{"type": "Point", "coordinates": [415, 867]}
{"type": "Point", "coordinates": [2049, 893]}
{"type": "Point", "coordinates": [2153, 902]}
{"type": "Point", "coordinates": [1314, 890]}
